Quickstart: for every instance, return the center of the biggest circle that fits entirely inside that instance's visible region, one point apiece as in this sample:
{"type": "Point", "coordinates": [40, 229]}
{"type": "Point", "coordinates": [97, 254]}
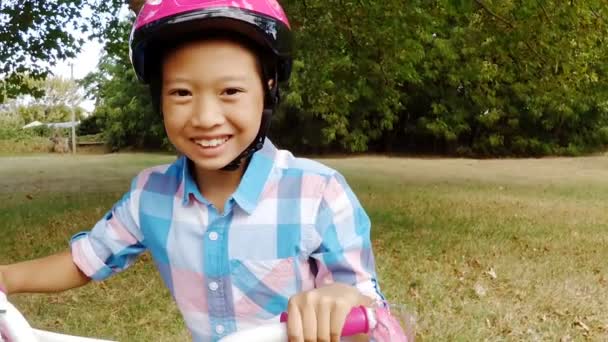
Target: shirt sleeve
{"type": "Point", "coordinates": [345, 253]}
{"type": "Point", "coordinates": [114, 242]}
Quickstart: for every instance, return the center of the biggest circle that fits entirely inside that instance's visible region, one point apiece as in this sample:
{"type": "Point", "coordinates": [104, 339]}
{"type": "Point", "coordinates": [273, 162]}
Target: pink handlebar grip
{"type": "Point", "coordinates": [357, 322]}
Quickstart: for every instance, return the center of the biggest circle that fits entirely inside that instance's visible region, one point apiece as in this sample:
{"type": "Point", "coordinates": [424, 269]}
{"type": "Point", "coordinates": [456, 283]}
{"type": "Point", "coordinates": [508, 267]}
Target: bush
{"type": "Point", "coordinates": [91, 125]}
{"type": "Point", "coordinates": [33, 140]}
{"type": "Point", "coordinates": [42, 131]}
{"type": "Point", "coordinates": [15, 133]}
{"type": "Point", "coordinates": [25, 145]}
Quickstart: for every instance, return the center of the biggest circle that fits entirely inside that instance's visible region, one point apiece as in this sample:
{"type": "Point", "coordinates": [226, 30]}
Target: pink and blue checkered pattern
{"type": "Point", "coordinates": [291, 225]}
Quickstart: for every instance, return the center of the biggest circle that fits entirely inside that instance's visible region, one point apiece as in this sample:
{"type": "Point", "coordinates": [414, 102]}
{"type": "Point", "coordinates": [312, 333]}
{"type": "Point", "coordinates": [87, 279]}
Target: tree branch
{"type": "Point", "coordinates": [597, 15]}
{"type": "Point", "coordinates": [511, 25]}
{"type": "Point", "coordinates": [544, 11]}
{"type": "Point", "coordinates": [487, 9]}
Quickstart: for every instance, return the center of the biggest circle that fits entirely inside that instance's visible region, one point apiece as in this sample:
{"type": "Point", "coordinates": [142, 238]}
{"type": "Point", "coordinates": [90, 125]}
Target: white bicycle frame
{"type": "Point", "coordinates": [18, 329]}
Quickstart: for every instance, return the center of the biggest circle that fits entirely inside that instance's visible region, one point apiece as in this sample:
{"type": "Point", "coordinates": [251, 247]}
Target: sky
{"type": "Point", "coordinates": [84, 63]}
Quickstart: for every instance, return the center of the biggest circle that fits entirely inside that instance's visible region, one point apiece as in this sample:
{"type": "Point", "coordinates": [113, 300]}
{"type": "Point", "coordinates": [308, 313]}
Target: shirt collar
{"type": "Point", "coordinates": [190, 187]}
{"type": "Point", "coordinates": [251, 186]}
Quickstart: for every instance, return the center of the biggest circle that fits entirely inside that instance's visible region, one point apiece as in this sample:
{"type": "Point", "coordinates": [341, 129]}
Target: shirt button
{"type": "Point", "coordinates": [213, 236]}
{"type": "Point", "coordinates": [213, 286]}
{"type": "Point", "coordinates": [219, 329]}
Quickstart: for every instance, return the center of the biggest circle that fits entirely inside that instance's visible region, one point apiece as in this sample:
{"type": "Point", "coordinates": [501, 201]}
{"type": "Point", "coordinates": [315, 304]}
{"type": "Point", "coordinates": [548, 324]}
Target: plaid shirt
{"type": "Point", "coordinates": [292, 225]}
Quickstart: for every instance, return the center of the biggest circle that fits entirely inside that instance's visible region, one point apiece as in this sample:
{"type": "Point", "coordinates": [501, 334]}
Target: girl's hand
{"type": "Point", "coordinates": [319, 315]}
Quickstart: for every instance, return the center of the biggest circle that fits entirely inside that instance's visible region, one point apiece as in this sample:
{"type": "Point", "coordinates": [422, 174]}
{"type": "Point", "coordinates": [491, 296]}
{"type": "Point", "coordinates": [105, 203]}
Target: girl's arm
{"type": "Point", "coordinates": [345, 254]}
{"type": "Point", "coordinates": [110, 247]}
{"type": "Point", "coordinates": [54, 273]}
{"type": "Point", "coordinates": [345, 270]}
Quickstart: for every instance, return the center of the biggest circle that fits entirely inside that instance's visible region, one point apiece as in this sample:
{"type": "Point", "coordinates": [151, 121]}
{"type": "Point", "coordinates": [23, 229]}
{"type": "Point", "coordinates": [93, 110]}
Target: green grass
{"type": "Point", "coordinates": [441, 229]}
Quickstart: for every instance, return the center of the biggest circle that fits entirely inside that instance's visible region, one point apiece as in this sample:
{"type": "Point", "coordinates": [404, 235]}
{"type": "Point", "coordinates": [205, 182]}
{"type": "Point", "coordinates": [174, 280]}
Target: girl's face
{"type": "Point", "coordinates": [212, 101]}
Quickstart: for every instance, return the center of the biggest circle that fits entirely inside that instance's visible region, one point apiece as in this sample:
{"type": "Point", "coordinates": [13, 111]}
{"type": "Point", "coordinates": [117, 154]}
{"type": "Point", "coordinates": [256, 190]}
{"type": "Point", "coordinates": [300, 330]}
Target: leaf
{"type": "Point", "coordinates": [579, 323]}
{"type": "Point", "coordinates": [491, 272]}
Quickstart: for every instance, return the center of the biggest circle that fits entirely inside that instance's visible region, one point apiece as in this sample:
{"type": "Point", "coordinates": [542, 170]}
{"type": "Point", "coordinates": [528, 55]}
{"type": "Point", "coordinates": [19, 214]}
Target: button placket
{"type": "Point", "coordinates": [217, 265]}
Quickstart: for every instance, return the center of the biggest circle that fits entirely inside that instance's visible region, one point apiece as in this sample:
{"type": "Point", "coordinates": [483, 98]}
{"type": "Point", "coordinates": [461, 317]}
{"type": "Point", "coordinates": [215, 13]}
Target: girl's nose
{"type": "Point", "coordinates": [207, 113]}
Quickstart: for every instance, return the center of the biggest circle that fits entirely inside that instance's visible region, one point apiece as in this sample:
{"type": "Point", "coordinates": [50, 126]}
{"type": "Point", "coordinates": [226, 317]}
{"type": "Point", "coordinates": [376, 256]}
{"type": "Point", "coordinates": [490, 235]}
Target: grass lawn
{"type": "Point", "coordinates": [482, 249]}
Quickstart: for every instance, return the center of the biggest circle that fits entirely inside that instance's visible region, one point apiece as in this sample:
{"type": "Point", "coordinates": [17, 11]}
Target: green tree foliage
{"type": "Point", "coordinates": [48, 114]}
{"type": "Point", "coordinates": [59, 91]}
{"type": "Point", "coordinates": [352, 58]}
{"type": "Point", "coordinates": [54, 103]}
{"type": "Point", "coordinates": [35, 34]}
{"type": "Point", "coordinates": [526, 78]}
{"type": "Point", "coordinates": [123, 107]}
{"type": "Point", "coordinates": [483, 77]}
{"type": "Point", "coordinates": [473, 77]}
{"type": "Point", "coordinates": [90, 126]}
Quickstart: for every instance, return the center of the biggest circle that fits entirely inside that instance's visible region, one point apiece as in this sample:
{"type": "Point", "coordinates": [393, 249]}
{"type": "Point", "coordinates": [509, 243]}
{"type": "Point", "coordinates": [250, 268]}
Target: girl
{"type": "Point", "coordinates": [239, 230]}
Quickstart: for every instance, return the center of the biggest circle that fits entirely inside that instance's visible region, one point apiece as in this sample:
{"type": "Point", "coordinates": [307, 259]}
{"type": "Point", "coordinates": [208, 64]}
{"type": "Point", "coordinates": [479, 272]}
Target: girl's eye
{"type": "Point", "coordinates": [231, 91]}
{"type": "Point", "coordinates": [181, 92]}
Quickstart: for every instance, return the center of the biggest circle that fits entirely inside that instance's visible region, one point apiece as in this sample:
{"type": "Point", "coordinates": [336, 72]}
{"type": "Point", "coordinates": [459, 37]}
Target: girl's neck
{"type": "Point", "coordinates": [218, 185]}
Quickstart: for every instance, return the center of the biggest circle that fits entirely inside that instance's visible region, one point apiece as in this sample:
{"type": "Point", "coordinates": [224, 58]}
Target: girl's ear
{"type": "Point", "coordinates": [270, 83]}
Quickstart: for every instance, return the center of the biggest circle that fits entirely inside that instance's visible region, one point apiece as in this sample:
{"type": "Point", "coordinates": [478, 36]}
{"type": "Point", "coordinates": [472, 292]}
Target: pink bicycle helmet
{"type": "Point", "coordinates": [160, 23]}
{"type": "Point", "coordinates": [262, 21]}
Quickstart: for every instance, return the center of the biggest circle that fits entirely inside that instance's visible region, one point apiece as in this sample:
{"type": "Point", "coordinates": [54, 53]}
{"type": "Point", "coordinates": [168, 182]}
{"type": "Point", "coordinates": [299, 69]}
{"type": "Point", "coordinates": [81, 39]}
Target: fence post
{"type": "Point", "coordinates": [73, 116]}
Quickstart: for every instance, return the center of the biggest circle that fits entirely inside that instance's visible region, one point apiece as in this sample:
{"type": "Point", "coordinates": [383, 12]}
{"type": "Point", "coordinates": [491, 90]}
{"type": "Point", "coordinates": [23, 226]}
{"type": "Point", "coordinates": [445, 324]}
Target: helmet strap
{"type": "Point", "coordinates": [271, 101]}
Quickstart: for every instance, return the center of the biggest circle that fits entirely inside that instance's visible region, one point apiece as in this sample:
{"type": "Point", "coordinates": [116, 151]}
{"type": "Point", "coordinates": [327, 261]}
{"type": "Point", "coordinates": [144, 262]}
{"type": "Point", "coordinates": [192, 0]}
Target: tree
{"type": "Point", "coordinates": [35, 34]}
{"type": "Point", "coordinates": [469, 77]}
{"type": "Point", "coordinates": [123, 107]}
{"type": "Point", "coordinates": [515, 77]}
{"type": "Point", "coordinates": [57, 99]}
{"type": "Point", "coordinates": [59, 91]}
{"type": "Point", "coordinates": [479, 77]}
{"type": "Point", "coordinates": [48, 114]}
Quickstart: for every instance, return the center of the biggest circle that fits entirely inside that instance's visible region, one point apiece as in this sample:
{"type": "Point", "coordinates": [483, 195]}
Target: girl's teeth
{"type": "Point", "coordinates": [211, 143]}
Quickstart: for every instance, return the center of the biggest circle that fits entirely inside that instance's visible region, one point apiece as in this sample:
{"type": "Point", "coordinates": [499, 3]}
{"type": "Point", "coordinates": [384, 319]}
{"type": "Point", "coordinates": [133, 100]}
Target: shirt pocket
{"type": "Point", "coordinates": [262, 288]}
